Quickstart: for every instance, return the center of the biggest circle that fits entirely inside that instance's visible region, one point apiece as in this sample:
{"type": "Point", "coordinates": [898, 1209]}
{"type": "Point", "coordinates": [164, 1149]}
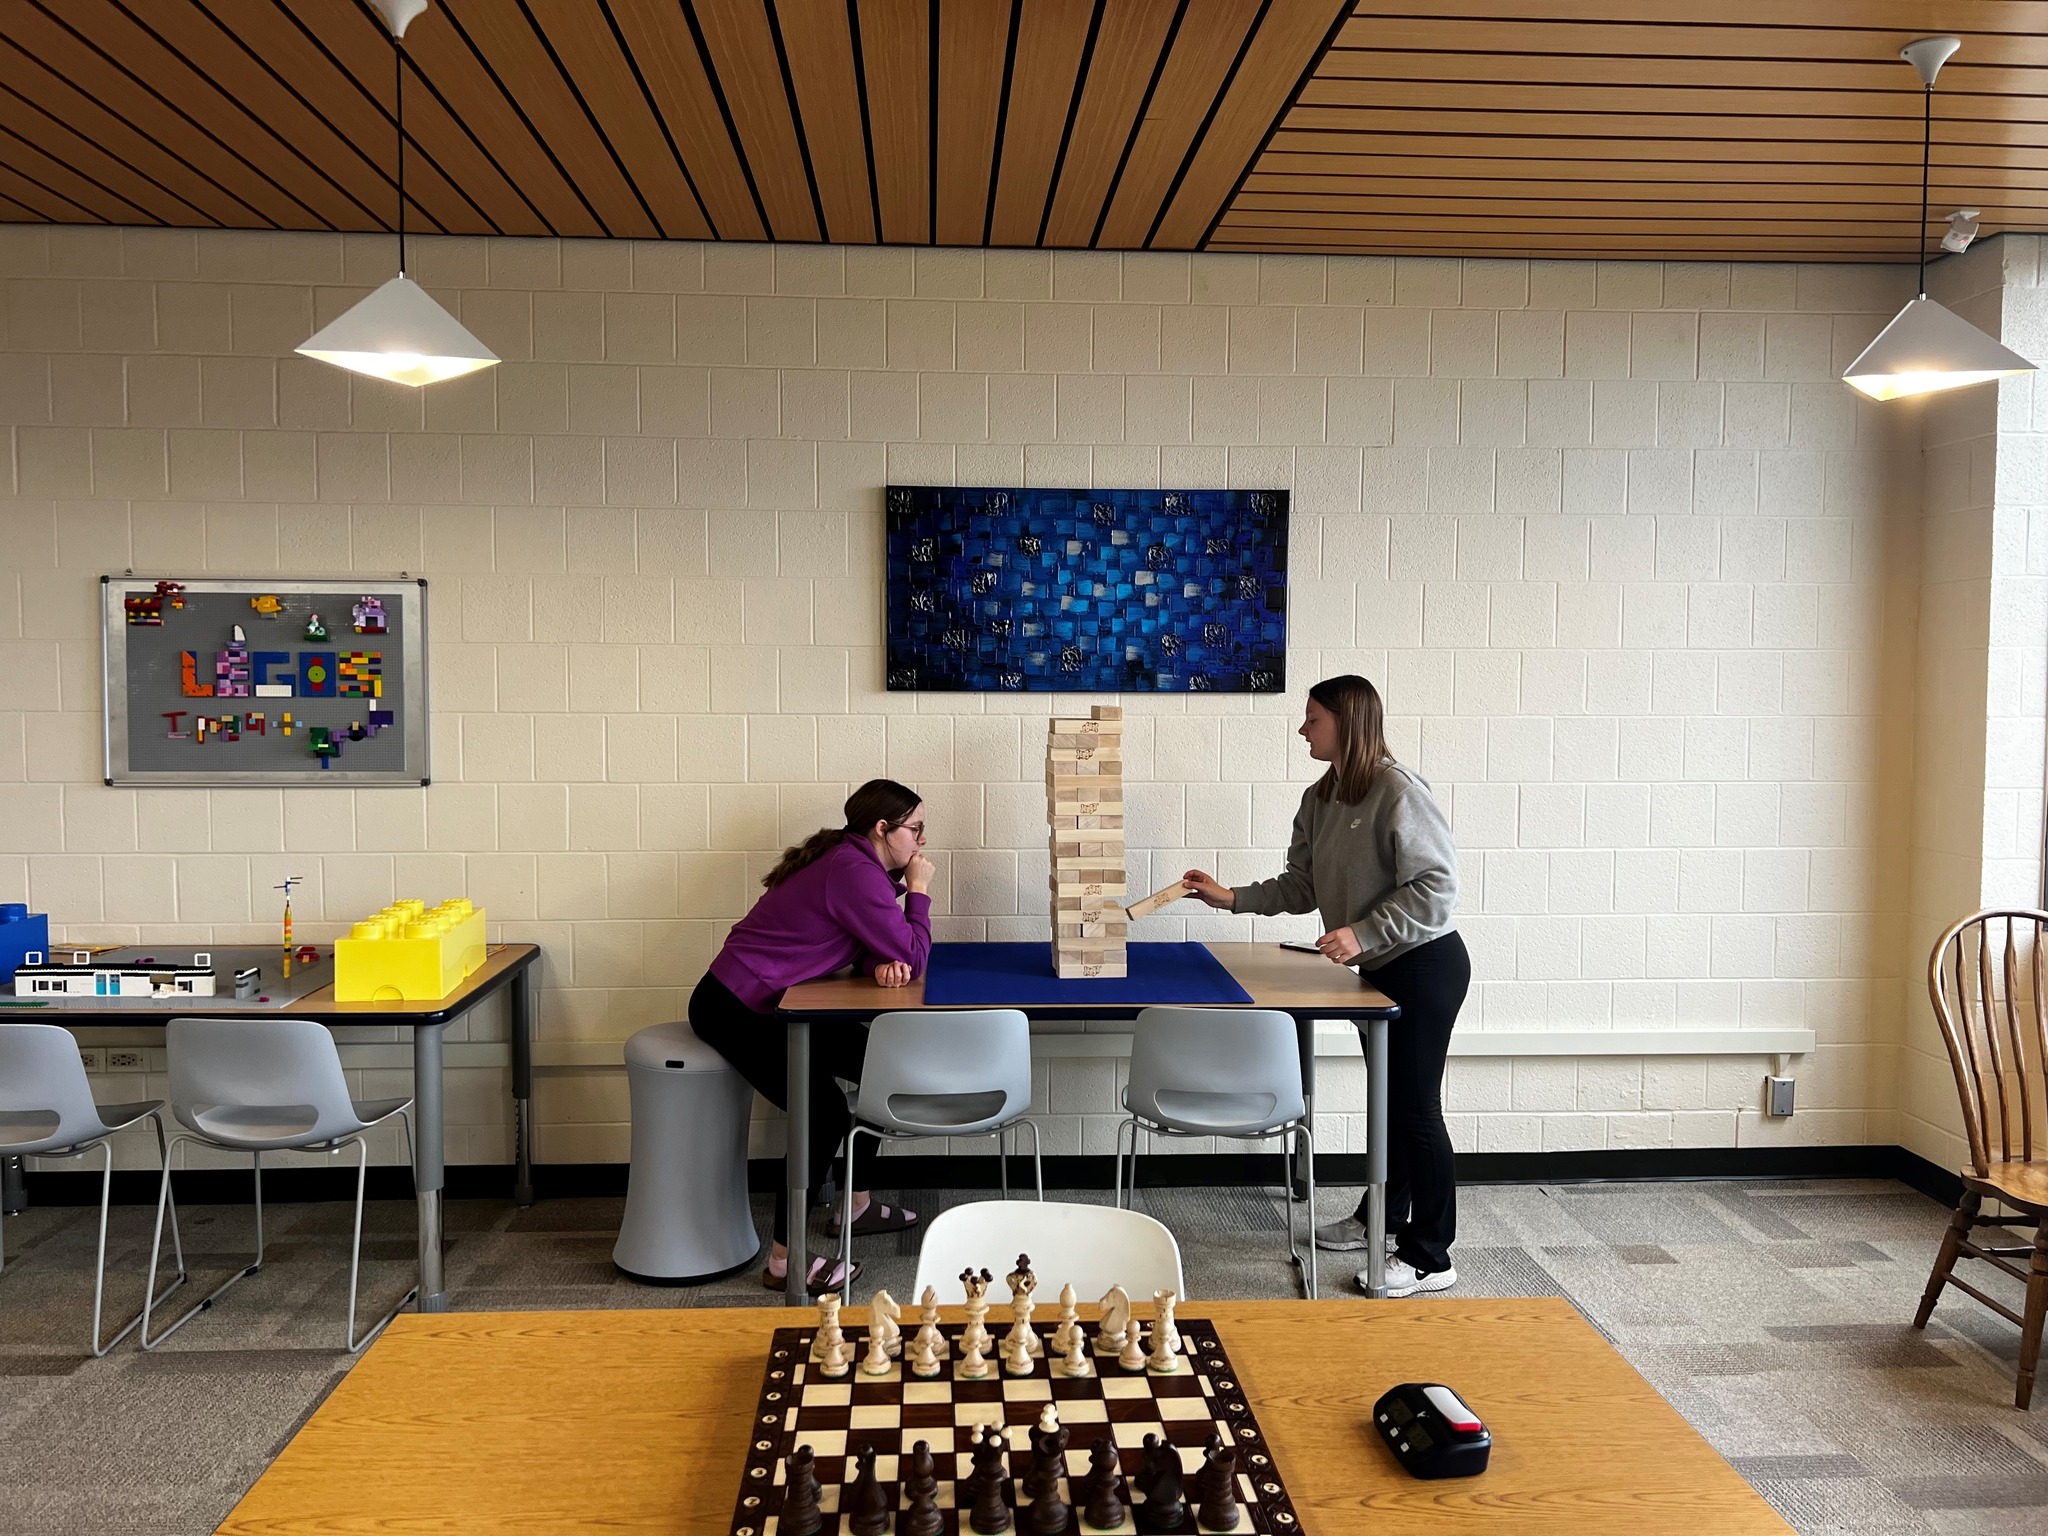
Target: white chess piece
{"type": "Point", "coordinates": [1016, 1356]}
{"type": "Point", "coordinates": [1164, 1359]}
{"type": "Point", "coordinates": [1133, 1356]}
{"type": "Point", "coordinates": [877, 1362]}
{"type": "Point", "coordinates": [1070, 1320]}
{"type": "Point", "coordinates": [1048, 1420]}
{"type": "Point", "coordinates": [1116, 1321]}
{"type": "Point", "coordinates": [977, 1309]}
{"type": "Point", "coordinates": [1077, 1362]}
{"type": "Point", "coordinates": [882, 1314]}
{"type": "Point", "coordinates": [828, 1325]}
{"type": "Point", "coordinates": [1163, 1303]}
{"type": "Point", "coordinates": [928, 1320]}
{"type": "Point", "coordinates": [972, 1366]}
{"type": "Point", "coordinates": [923, 1361]}
{"type": "Point", "coordinates": [838, 1359]}
{"type": "Point", "coordinates": [1022, 1284]}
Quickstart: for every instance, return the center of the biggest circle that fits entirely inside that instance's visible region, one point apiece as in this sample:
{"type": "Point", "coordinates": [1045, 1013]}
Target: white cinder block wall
{"type": "Point", "coordinates": [1636, 572]}
{"type": "Point", "coordinates": [1982, 683]}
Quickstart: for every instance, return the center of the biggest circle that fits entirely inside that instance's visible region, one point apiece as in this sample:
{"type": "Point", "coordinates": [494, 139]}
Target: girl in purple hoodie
{"type": "Point", "coordinates": [831, 903]}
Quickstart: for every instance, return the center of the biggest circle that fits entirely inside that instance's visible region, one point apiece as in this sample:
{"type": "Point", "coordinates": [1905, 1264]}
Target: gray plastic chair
{"type": "Point", "coordinates": [46, 1110]}
{"type": "Point", "coordinates": [960, 1073]}
{"type": "Point", "coordinates": [1230, 1072]}
{"type": "Point", "coordinates": [269, 1085]}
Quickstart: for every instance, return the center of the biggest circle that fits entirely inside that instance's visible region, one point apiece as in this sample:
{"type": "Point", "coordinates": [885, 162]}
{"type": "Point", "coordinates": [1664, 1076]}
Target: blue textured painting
{"type": "Point", "coordinates": [1087, 591]}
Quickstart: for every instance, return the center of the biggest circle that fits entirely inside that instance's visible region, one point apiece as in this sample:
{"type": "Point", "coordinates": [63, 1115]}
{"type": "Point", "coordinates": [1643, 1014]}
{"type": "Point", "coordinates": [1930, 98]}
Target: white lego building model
{"type": "Point", "coordinates": [40, 976]}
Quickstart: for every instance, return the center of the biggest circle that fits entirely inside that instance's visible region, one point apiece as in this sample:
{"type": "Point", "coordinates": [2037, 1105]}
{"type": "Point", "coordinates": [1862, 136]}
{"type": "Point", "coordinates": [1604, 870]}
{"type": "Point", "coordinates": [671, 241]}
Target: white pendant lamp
{"type": "Point", "coordinates": [1928, 347]}
{"type": "Point", "coordinates": [398, 332]}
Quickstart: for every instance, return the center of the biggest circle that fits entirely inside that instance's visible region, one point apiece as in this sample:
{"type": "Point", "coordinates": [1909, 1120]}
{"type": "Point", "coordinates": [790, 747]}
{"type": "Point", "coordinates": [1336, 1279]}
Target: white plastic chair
{"type": "Point", "coordinates": [960, 1073]}
{"type": "Point", "coordinates": [1230, 1072]}
{"type": "Point", "coordinates": [46, 1110]}
{"type": "Point", "coordinates": [269, 1085]}
{"type": "Point", "coordinates": [1091, 1247]}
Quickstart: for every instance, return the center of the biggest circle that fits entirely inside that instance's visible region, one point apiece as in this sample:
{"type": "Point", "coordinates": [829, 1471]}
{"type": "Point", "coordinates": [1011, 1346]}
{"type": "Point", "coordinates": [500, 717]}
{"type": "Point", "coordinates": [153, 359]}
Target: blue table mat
{"type": "Point", "coordinates": [1020, 975]}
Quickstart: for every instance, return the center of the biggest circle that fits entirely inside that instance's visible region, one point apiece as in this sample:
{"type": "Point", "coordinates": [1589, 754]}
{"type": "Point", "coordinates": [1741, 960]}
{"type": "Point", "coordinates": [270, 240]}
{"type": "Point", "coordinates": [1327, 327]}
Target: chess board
{"type": "Point", "coordinates": [836, 1416]}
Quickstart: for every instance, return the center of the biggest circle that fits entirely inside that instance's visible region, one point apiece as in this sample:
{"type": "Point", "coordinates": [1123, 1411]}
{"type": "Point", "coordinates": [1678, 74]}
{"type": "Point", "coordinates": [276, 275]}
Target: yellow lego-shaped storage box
{"type": "Point", "coordinates": [409, 953]}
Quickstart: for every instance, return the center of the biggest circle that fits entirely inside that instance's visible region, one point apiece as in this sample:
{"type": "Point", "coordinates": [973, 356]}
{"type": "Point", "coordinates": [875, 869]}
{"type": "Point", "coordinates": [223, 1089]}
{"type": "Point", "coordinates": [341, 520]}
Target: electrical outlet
{"type": "Point", "coordinates": [94, 1058]}
{"type": "Point", "coordinates": [1778, 1096]}
{"type": "Point", "coordinates": [124, 1061]}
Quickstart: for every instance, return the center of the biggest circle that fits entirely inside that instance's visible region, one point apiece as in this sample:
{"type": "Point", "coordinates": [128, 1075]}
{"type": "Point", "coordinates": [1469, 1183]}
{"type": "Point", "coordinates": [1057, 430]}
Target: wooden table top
{"type": "Point", "coordinates": [637, 1422]}
{"type": "Point", "coordinates": [1279, 978]}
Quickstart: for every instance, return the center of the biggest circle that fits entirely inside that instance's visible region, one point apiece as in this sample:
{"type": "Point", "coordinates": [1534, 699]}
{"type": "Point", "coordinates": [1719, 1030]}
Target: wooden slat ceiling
{"type": "Point", "coordinates": [1761, 129]}
{"type": "Point", "coordinates": [959, 122]}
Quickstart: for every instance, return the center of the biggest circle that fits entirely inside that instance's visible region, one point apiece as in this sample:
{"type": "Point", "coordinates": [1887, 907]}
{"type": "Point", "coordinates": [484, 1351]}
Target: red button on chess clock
{"type": "Point", "coordinates": [1431, 1432]}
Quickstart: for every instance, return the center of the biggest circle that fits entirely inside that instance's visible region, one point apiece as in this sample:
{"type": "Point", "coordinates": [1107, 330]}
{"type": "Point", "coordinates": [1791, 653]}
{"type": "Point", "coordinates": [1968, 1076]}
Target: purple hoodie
{"type": "Point", "coordinates": [827, 915]}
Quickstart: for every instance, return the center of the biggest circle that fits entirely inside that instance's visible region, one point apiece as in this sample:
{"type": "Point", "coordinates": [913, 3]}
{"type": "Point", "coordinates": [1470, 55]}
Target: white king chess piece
{"type": "Point", "coordinates": [1022, 1283]}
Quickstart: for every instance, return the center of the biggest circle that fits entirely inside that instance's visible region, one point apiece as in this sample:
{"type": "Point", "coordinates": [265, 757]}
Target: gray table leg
{"type": "Point", "coordinates": [13, 1187]}
{"type": "Point", "coordinates": [522, 1087]}
{"type": "Point", "coordinates": [1305, 1039]}
{"type": "Point", "coordinates": [429, 1169]}
{"type": "Point", "coordinates": [796, 1160]}
{"type": "Point", "coordinates": [1376, 1156]}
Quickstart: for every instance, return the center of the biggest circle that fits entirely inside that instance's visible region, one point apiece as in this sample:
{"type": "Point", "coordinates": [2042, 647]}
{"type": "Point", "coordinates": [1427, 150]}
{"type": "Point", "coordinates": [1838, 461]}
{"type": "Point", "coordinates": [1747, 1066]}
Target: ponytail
{"type": "Point", "coordinates": [876, 800]}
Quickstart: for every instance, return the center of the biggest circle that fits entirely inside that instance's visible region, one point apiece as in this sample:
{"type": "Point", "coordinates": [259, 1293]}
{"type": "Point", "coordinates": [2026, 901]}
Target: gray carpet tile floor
{"type": "Point", "coordinates": [1775, 1316]}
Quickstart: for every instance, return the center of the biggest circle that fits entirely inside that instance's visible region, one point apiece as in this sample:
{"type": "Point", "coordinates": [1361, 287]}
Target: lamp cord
{"type": "Point", "coordinates": [1926, 155]}
{"type": "Point", "coordinates": [398, 95]}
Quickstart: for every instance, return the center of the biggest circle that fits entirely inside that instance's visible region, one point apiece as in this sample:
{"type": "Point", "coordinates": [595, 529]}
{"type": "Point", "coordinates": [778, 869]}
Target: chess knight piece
{"type": "Point", "coordinates": [1159, 1478]}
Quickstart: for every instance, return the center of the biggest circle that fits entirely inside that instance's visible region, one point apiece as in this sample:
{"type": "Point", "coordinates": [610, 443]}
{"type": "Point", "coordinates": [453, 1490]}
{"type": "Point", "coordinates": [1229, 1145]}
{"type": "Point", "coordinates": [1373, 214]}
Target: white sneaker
{"type": "Point", "coordinates": [1342, 1235]}
{"type": "Point", "coordinates": [1347, 1234]}
{"type": "Point", "coordinates": [1404, 1279]}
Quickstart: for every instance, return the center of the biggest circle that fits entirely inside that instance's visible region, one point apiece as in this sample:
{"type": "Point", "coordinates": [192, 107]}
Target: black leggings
{"type": "Point", "coordinates": [757, 1045]}
{"type": "Point", "coordinates": [1422, 1185]}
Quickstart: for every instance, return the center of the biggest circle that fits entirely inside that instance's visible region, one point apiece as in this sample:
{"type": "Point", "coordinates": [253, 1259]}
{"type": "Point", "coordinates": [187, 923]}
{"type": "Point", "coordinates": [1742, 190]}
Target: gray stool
{"type": "Point", "coordinates": [687, 1216]}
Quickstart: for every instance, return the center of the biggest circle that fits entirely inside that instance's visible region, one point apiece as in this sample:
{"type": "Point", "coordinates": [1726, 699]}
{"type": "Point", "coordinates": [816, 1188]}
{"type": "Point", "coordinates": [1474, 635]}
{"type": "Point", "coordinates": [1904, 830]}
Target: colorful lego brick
{"type": "Point", "coordinates": [361, 674]}
{"type": "Point", "coordinates": [287, 722]}
{"type": "Point", "coordinates": [231, 668]}
{"type": "Point", "coordinates": [148, 607]}
{"type": "Point", "coordinates": [267, 685]}
{"type": "Point", "coordinates": [188, 677]}
{"type": "Point", "coordinates": [408, 953]}
{"type": "Point", "coordinates": [315, 628]}
{"type": "Point", "coordinates": [174, 716]}
{"type": "Point", "coordinates": [369, 616]}
{"type": "Point", "coordinates": [267, 605]}
{"type": "Point", "coordinates": [316, 674]}
{"type": "Point", "coordinates": [382, 720]}
{"type": "Point", "coordinates": [321, 743]}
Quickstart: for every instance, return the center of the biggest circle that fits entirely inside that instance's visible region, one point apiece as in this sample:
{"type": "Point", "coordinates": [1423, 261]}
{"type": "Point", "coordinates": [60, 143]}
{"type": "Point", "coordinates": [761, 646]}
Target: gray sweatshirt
{"type": "Point", "coordinates": [1386, 868]}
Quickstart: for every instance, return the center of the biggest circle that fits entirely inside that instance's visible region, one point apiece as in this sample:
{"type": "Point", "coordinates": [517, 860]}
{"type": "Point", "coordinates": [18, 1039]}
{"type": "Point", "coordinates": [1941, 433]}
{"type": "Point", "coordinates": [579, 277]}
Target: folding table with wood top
{"type": "Point", "coordinates": [1303, 986]}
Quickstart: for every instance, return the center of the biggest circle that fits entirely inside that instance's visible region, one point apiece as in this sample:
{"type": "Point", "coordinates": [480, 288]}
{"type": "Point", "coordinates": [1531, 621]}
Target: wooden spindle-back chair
{"type": "Point", "coordinates": [1988, 981]}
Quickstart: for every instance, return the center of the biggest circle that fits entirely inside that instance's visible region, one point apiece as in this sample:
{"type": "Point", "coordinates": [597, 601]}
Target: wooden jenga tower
{"type": "Point", "coordinates": [1084, 794]}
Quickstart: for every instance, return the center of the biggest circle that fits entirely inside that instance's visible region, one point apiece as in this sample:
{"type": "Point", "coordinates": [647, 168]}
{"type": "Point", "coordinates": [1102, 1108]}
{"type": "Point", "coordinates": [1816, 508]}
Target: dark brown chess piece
{"type": "Point", "coordinates": [1101, 1503]}
{"type": "Point", "coordinates": [921, 1515]}
{"type": "Point", "coordinates": [1050, 1514]}
{"type": "Point", "coordinates": [989, 1514]}
{"type": "Point", "coordinates": [1159, 1476]}
{"type": "Point", "coordinates": [868, 1505]}
{"type": "Point", "coordinates": [800, 1513]}
{"type": "Point", "coordinates": [1216, 1487]}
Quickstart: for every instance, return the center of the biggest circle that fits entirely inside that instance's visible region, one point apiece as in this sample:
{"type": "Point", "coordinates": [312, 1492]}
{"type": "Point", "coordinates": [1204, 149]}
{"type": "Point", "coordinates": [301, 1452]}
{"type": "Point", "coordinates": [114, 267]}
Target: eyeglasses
{"type": "Point", "coordinates": [914, 828]}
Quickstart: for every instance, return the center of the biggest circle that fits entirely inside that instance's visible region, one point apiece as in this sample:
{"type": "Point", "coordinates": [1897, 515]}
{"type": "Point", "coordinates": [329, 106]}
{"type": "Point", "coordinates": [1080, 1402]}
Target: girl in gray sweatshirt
{"type": "Point", "coordinates": [1372, 853]}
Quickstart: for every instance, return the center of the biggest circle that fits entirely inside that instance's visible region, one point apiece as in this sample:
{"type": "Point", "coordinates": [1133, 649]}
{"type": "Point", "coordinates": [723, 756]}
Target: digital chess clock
{"type": "Point", "coordinates": [1431, 1432]}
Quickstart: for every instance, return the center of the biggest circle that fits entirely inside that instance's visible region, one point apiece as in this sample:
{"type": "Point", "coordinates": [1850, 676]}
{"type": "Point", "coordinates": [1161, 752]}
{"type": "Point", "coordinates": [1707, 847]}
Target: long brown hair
{"type": "Point", "coordinates": [1361, 737]}
{"type": "Point", "coordinates": [876, 800]}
